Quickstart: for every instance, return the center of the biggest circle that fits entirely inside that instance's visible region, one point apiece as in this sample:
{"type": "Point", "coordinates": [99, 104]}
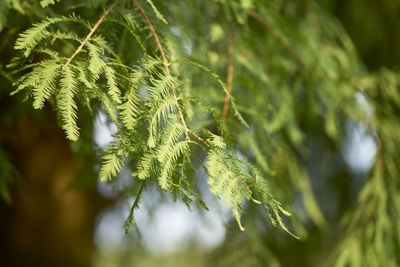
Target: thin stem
{"type": "Point", "coordinates": [165, 62]}
{"type": "Point", "coordinates": [91, 33]}
{"type": "Point", "coordinates": [197, 137]}
{"type": "Point", "coordinates": [276, 34]}
{"type": "Point", "coordinates": [229, 78]}
{"type": "Point", "coordinates": [136, 203]}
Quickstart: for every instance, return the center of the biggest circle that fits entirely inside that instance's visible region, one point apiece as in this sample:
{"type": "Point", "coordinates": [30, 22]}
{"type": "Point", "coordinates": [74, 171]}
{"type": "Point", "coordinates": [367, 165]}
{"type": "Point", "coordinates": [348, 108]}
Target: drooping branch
{"type": "Point", "coordinates": [129, 223]}
{"type": "Point", "coordinates": [166, 66]}
{"type": "Point", "coordinates": [91, 32]}
{"type": "Point", "coordinates": [165, 62]}
{"type": "Point", "coordinates": [229, 78]}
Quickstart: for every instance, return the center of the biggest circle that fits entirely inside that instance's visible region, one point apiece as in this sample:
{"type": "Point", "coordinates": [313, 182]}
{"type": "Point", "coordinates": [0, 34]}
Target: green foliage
{"type": "Point", "coordinates": [112, 163]}
{"type": "Point", "coordinates": [158, 14]}
{"type": "Point", "coordinates": [167, 152]}
{"type": "Point", "coordinates": [297, 81]}
{"type": "Point", "coordinates": [130, 108]}
{"type": "Point", "coordinates": [45, 3]}
{"type": "Point", "coordinates": [32, 36]}
{"type": "Point", "coordinates": [66, 103]}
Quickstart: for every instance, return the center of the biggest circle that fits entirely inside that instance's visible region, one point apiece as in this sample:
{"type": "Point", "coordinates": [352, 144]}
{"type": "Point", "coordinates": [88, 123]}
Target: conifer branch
{"type": "Point", "coordinates": [276, 34]}
{"type": "Point", "coordinates": [165, 62]}
{"type": "Point", "coordinates": [229, 78]}
{"type": "Point", "coordinates": [91, 32]}
{"type": "Point", "coordinates": [241, 181]}
{"type": "Point", "coordinates": [136, 203]}
{"type": "Point", "coordinates": [130, 222]}
{"type": "Point", "coordinates": [198, 137]}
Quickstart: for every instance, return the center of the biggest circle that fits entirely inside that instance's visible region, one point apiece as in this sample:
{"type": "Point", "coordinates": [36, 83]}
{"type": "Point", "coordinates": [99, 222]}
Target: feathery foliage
{"type": "Point", "coordinates": [295, 82]}
{"type": "Point", "coordinates": [66, 103]}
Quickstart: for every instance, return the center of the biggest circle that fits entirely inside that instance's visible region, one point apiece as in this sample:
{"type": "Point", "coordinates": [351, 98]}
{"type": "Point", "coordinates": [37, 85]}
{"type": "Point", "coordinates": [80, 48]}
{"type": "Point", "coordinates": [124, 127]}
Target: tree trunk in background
{"type": "Point", "coordinates": [47, 224]}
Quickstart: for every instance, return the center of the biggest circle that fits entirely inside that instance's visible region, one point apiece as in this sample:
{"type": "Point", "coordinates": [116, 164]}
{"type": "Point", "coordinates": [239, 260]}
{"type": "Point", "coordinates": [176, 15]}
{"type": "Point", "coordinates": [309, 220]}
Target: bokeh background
{"type": "Point", "coordinates": [59, 214]}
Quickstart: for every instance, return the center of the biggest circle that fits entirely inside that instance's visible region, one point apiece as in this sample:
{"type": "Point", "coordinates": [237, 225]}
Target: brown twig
{"type": "Point", "coordinates": [245, 185]}
{"type": "Point", "coordinates": [165, 62]}
{"type": "Point", "coordinates": [240, 180]}
{"type": "Point", "coordinates": [276, 34]}
{"type": "Point", "coordinates": [229, 78]}
{"type": "Point", "coordinates": [91, 32]}
{"type": "Point", "coordinates": [198, 137]}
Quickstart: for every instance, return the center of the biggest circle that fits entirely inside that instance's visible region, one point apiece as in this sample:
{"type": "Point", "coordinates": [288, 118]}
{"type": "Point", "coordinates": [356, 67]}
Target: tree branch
{"type": "Point", "coordinates": [198, 137]}
{"type": "Point", "coordinates": [165, 62]}
{"type": "Point", "coordinates": [229, 78]}
{"type": "Point", "coordinates": [129, 222]}
{"type": "Point", "coordinates": [137, 199]}
{"type": "Point", "coordinates": [91, 32]}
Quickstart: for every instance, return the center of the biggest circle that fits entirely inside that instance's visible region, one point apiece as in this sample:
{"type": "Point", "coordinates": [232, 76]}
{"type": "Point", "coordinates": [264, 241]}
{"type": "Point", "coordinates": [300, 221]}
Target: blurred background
{"type": "Point", "coordinates": [58, 214]}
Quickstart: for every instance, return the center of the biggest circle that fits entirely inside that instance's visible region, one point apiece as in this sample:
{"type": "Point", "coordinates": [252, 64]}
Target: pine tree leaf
{"type": "Point", "coordinates": [214, 113]}
{"type": "Point", "coordinates": [272, 207]}
{"type": "Point", "coordinates": [111, 166]}
{"type": "Point", "coordinates": [132, 27]}
{"type": "Point", "coordinates": [53, 54]}
{"type": "Point", "coordinates": [58, 35]}
{"type": "Point", "coordinates": [161, 112]}
{"type": "Point", "coordinates": [217, 141]}
{"type": "Point", "coordinates": [104, 45]}
{"type": "Point", "coordinates": [137, 78]}
{"type": "Point", "coordinates": [180, 149]}
{"type": "Point", "coordinates": [145, 166]}
{"type": "Point", "coordinates": [114, 91]}
{"type": "Point", "coordinates": [96, 63]}
{"type": "Point", "coordinates": [46, 74]}
{"type": "Point", "coordinates": [128, 22]}
{"type": "Point", "coordinates": [31, 79]}
{"type": "Point", "coordinates": [77, 19]}
{"type": "Point", "coordinates": [32, 36]}
{"type": "Point", "coordinates": [130, 109]}
{"type": "Point", "coordinates": [158, 13]}
{"type": "Point", "coordinates": [152, 65]}
{"type": "Point", "coordinates": [81, 69]}
{"type": "Point", "coordinates": [110, 107]}
{"type": "Point", "coordinates": [222, 85]}
{"type": "Point", "coordinates": [173, 132]}
{"type": "Point", "coordinates": [67, 105]}
{"type": "Point", "coordinates": [162, 87]}
{"type": "Point", "coordinates": [226, 180]}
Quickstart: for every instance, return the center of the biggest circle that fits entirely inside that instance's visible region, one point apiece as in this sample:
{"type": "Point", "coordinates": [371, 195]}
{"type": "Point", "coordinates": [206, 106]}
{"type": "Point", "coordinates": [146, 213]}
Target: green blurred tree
{"type": "Point", "coordinates": [273, 134]}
